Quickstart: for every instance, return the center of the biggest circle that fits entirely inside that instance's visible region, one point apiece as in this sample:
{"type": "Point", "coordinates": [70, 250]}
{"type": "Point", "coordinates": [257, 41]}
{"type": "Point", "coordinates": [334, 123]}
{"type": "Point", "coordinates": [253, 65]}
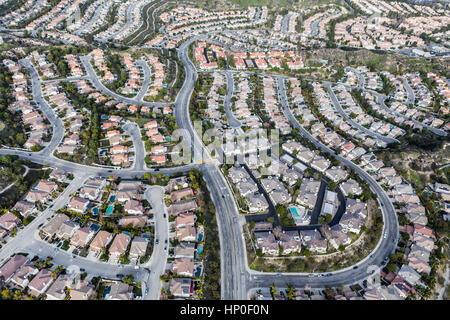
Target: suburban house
{"type": "Point", "coordinates": [187, 233]}
{"type": "Point", "coordinates": [183, 266]}
{"type": "Point", "coordinates": [10, 267]}
{"type": "Point", "coordinates": [78, 204]}
{"type": "Point", "coordinates": [100, 241]}
{"type": "Point", "coordinates": [138, 247]}
{"type": "Point", "coordinates": [40, 282]}
{"type": "Point", "coordinates": [57, 291]}
{"type": "Point", "coordinates": [9, 221]}
{"type": "Point", "coordinates": [180, 287]}
{"type": "Point", "coordinates": [82, 290]}
{"type": "Point", "coordinates": [120, 291]}
{"type": "Point", "coordinates": [120, 244]}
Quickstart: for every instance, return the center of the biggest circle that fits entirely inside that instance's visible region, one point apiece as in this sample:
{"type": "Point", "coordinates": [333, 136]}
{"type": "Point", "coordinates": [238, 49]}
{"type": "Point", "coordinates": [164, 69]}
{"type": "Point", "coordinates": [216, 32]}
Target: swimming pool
{"type": "Point", "coordinates": [127, 233]}
{"type": "Point", "coordinates": [294, 211]}
{"type": "Point", "coordinates": [112, 199]}
{"type": "Point", "coordinates": [199, 250]}
{"type": "Point", "coordinates": [198, 272]}
{"type": "Point", "coordinates": [95, 211]}
{"type": "Point", "coordinates": [110, 210]}
{"type": "Point", "coordinates": [200, 237]}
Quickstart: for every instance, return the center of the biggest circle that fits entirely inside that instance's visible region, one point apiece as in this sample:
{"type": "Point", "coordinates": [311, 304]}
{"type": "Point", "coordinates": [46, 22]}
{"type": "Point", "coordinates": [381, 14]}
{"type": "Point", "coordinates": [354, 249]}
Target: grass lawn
{"type": "Point", "coordinates": [415, 179]}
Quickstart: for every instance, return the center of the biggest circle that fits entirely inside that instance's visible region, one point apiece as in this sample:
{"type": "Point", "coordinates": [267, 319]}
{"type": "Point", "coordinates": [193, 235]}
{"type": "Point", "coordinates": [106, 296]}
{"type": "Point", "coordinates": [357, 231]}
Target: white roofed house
{"type": "Point", "coordinates": [180, 287]}
{"type": "Point", "coordinates": [237, 174]}
{"type": "Point", "coordinates": [53, 225]}
{"type": "Point", "coordinates": [337, 236]}
{"type": "Point", "coordinates": [320, 163]}
{"type": "Point", "coordinates": [184, 250]}
{"type": "Point", "coordinates": [290, 242]}
{"type": "Point", "coordinates": [257, 203]}
{"type": "Point", "coordinates": [336, 174]}
{"type": "Point", "coordinates": [280, 196]}
{"type": "Point", "coordinates": [409, 274]}
{"type": "Point", "coordinates": [313, 241]}
{"type": "Point", "coordinates": [350, 187]}
{"type": "Point", "coordinates": [265, 240]}
{"type": "Point", "coordinates": [246, 187]}
{"type": "Point", "coordinates": [90, 193]}
{"type": "Point", "coordinates": [23, 275]}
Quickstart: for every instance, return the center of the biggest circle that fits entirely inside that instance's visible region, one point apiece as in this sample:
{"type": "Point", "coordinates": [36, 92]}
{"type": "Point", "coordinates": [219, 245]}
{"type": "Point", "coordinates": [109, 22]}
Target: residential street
{"type": "Point", "coordinates": [157, 262]}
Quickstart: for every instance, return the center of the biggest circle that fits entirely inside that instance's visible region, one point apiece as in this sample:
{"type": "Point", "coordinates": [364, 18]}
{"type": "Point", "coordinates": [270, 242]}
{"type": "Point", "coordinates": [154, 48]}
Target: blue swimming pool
{"type": "Point", "coordinates": [95, 210]}
{"type": "Point", "coordinates": [200, 237]}
{"type": "Point", "coordinates": [294, 211]}
{"type": "Point", "coordinates": [112, 199]}
{"type": "Point", "coordinates": [106, 292]}
{"type": "Point", "coordinates": [198, 272]}
{"type": "Point", "coordinates": [127, 233]}
{"type": "Point", "coordinates": [199, 250]}
{"type": "Point", "coordinates": [110, 210]}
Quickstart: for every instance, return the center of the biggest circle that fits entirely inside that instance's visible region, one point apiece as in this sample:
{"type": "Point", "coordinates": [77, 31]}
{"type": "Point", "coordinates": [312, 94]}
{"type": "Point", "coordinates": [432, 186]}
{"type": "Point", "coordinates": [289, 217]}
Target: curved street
{"type": "Point", "coordinates": [237, 278]}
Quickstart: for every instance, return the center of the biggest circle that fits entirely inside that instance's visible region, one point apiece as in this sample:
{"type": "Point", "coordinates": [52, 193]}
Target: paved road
{"type": "Point", "coordinates": [382, 98]}
{"type": "Point", "coordinates": [126, 25]}
{"type": "Point", "coordinates": [90, 266]}
{"type": "Point", "coordinates": [25, 236]}
{"type": "Point", "coordinates": [442, 292]}
{"type": "Point", "coordinates": [182, 105]}
{"type": "Point", "coordinates": [314, 27]}
{"type": "Point", "coordinates": [55, 121]}
{"type": "Point", "coordinates": [99, 86]}
{"type": "Point", "coordinates": [232, 121]}
{"type": "Point", "coordinates": [353, 123]}
{"type": "Point", "coordinates": [237, 278]}
{"type": "Point", "coordinates": [76, 168]}
{"type": "Point", "coordinates": [232, 249]}
{"type": "Point", "coordinates": [147, 78]}
{"type": "Point", "coordinates": [98, 11]}
{"type": "Point", "coordinates": [411, 95]}
{"type": "Point", "coordinates": [385, 246]}
{"type": "Point", "coordinates": [148, 24]}
{"type": "Point", "coordinates": [285, 23]}
{"type": "Point", "coordinates": [157, 263]}
{"type": "Point", "coordinates": [139, 149]}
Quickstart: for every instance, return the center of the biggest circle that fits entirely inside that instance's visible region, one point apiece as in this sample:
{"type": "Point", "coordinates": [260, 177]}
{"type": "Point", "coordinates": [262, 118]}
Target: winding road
{"type": "Point", "coordinates": [236, 277]}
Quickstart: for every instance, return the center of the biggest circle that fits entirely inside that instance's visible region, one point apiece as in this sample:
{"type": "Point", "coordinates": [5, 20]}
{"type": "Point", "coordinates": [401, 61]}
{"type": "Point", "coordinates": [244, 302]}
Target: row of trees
{"type": "Point", "coordinates": [210, 288]}
{"type": "Point", "coordinates": [11, 128]}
